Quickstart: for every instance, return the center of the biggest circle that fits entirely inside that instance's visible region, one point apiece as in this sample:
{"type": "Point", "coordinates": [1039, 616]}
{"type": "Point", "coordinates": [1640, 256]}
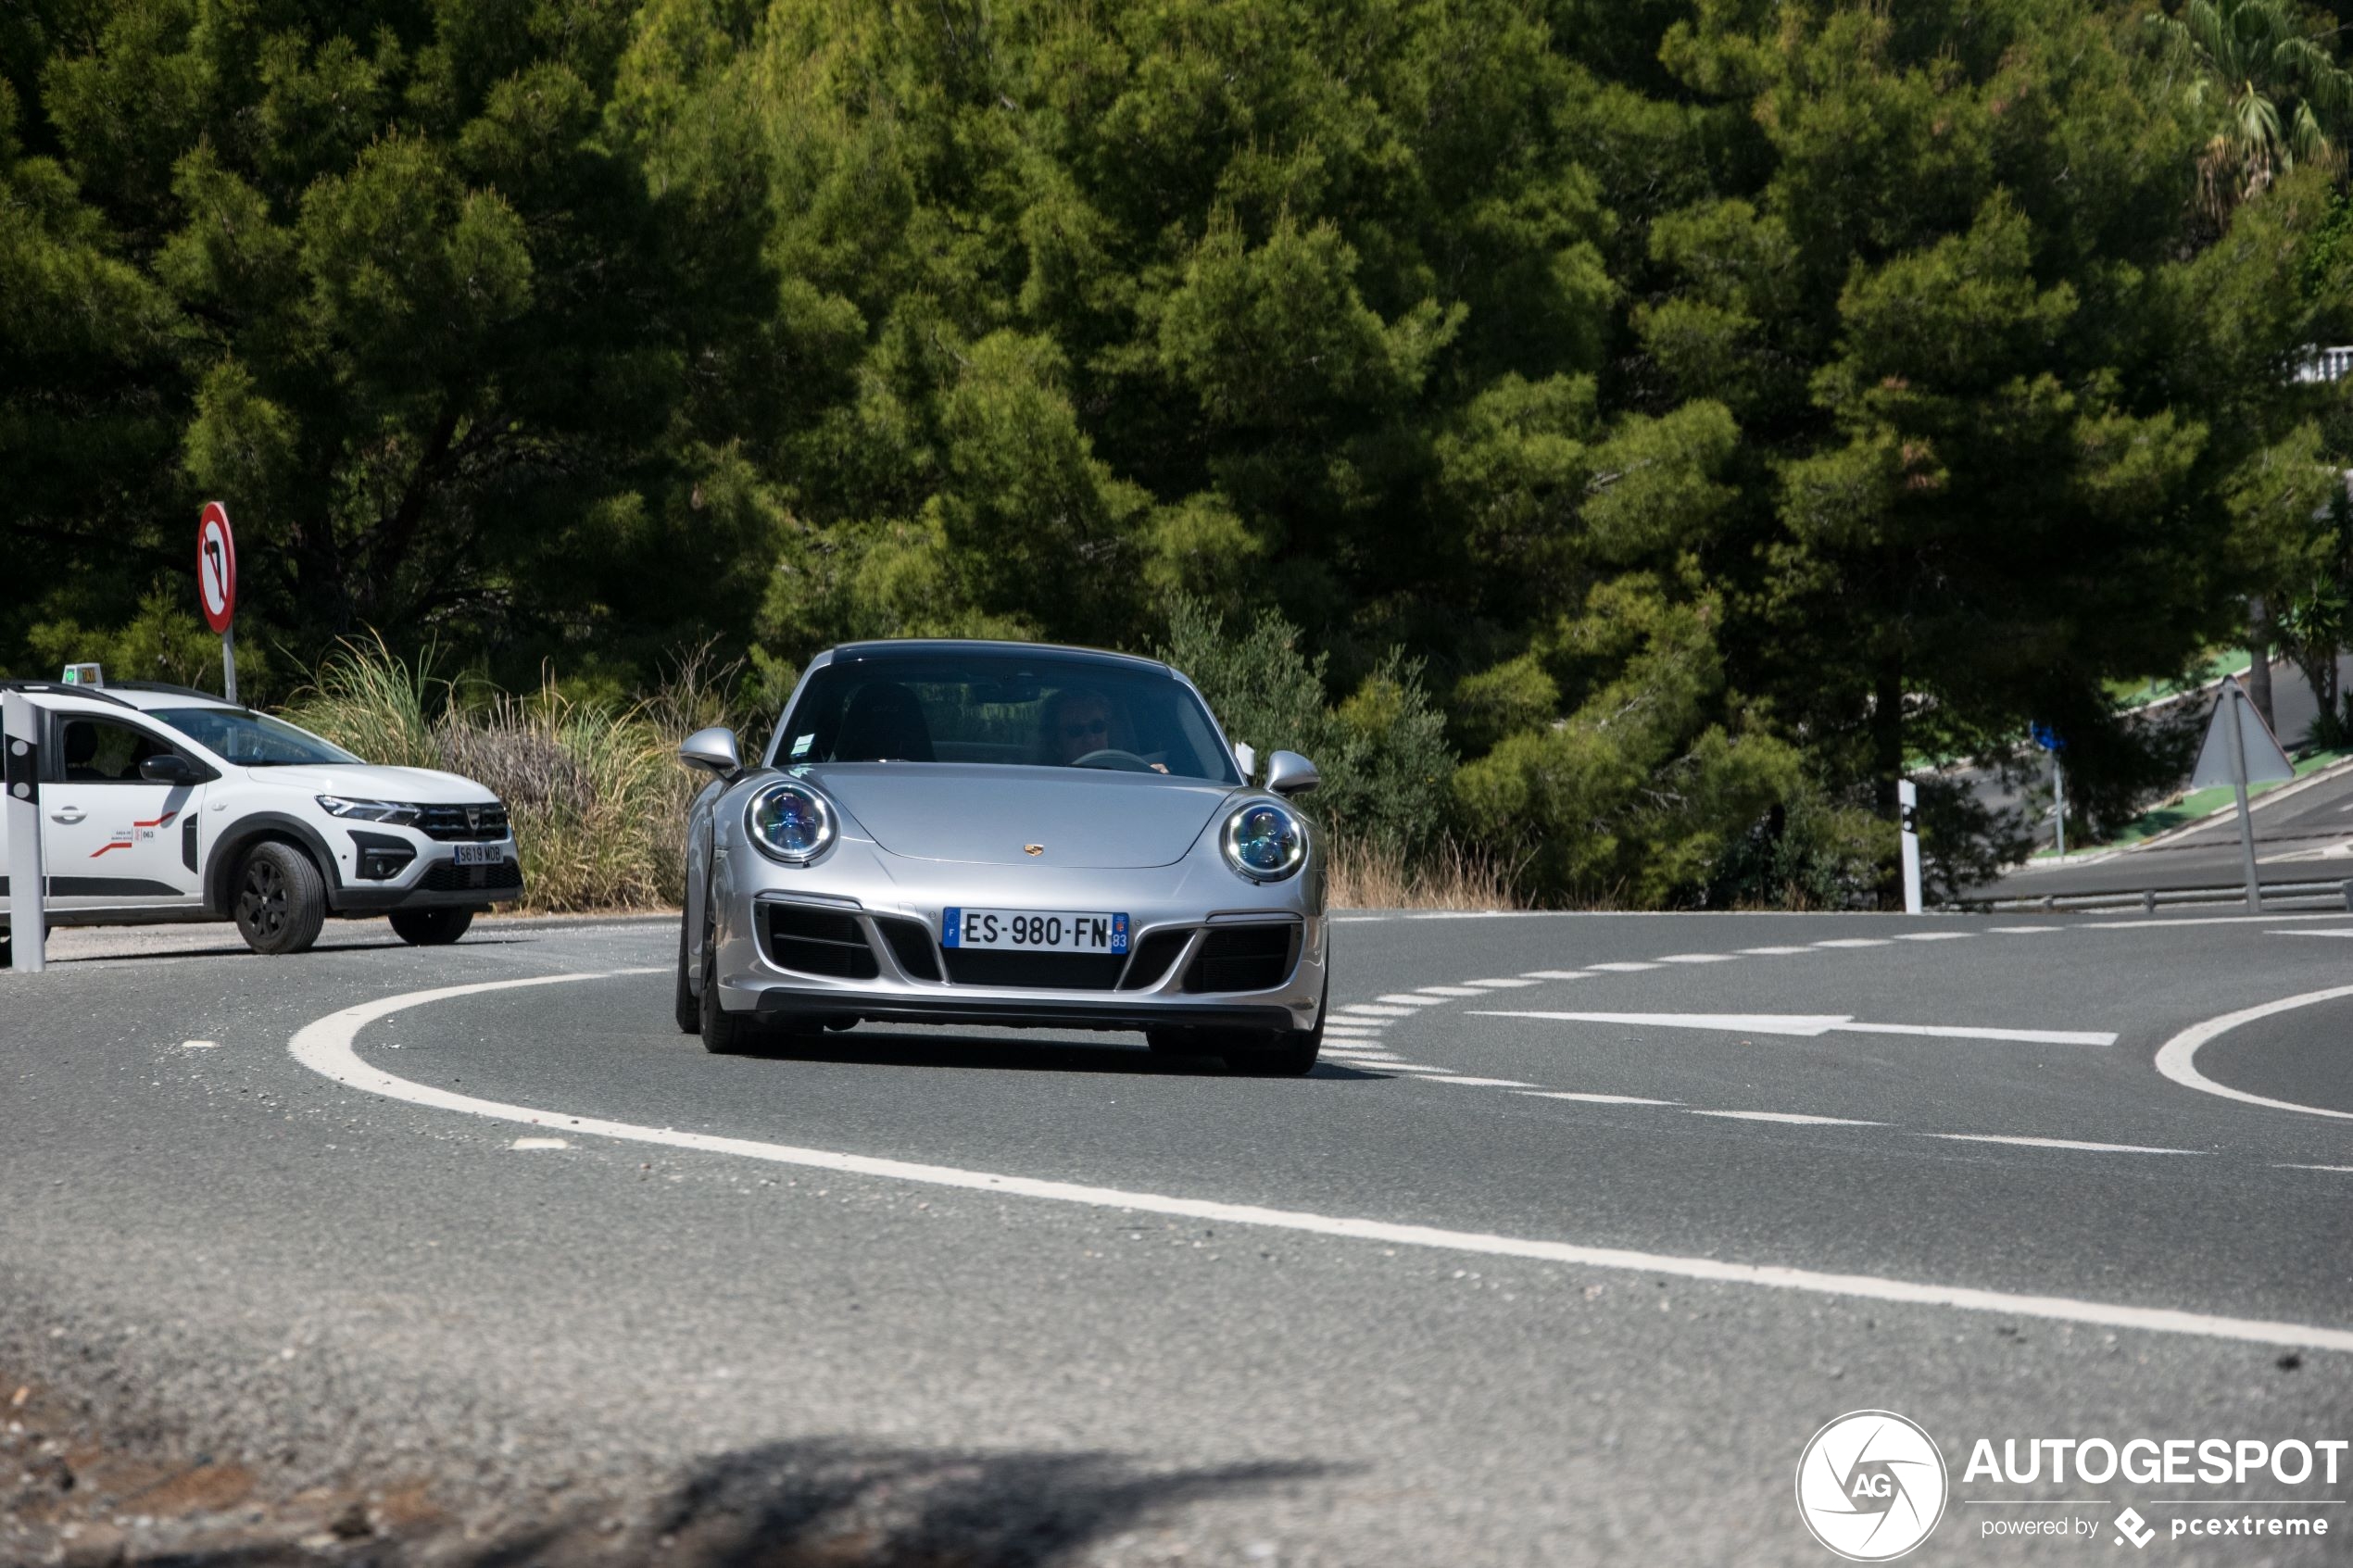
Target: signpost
{"type": "Point", "coordinates": [2048, 739]}
{"type": "Point", "coordinates": [20, 752]}
{"type": "Point", "coordinates": [2241, 751]}
{"type": "Point", "coordinates": [217, 586]}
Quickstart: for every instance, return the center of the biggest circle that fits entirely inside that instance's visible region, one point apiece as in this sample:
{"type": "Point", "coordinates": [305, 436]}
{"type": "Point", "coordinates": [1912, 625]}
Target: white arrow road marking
{"type": "Point", "coordinates": [1808, 1025]}
{"type": "Point", "coordinates": [1792, 1117]}
{"type": "Point", "coordinates": [2062, 1143]}
{"type": "Point", "coordinates": [326, 1047]}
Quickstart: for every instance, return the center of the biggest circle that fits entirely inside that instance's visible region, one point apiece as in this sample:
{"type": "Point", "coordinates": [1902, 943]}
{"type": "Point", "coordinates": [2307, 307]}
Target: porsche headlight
{"type": "Point", "coordinates": [1266, 842]}
{"type": "Point", "coordinates": [791, 821]}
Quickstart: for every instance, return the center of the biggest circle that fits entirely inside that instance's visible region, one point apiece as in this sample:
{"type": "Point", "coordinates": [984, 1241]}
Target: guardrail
{"type": "Point", "coordinates": [2282, 895]}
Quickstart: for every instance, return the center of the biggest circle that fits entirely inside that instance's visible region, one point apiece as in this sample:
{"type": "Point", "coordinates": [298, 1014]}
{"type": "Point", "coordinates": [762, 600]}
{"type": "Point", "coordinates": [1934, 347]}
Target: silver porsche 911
{"type": "Point", "coordinates": [1003, 834]}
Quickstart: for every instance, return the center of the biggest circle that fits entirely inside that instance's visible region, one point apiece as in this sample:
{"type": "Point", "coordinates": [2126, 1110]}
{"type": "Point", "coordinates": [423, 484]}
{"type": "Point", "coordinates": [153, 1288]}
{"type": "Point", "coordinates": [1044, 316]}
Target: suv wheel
{"type": "Point", "coordinates": [431, 928]}
{"type": "Point", "coordinates": [281, 899]}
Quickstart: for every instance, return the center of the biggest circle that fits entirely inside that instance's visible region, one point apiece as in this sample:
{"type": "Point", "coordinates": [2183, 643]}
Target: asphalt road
{"type": "Point", "coordinates": [1489, 1288]}
{"type": "Point", "coordinates": [2304, 836]}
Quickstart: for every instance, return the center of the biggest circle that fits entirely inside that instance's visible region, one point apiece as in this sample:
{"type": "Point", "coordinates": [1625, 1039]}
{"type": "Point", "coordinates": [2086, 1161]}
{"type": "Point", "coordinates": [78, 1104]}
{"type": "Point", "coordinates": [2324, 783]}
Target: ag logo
{"type": "Point", "coordinates": [1871, 1486]}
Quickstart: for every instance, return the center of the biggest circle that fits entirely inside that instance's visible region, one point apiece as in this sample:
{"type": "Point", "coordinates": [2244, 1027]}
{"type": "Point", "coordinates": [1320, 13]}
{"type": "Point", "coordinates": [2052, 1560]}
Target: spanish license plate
{"type": "Point", "coordinates": [480, 854]}
{"type": "Point", "coordinates": [1035, 931]}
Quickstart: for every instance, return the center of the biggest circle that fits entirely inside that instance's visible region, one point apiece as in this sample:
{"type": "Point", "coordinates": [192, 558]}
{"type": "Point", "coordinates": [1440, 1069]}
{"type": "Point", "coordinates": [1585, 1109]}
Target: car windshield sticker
{"type": "Point", "coordinates": [801, 743]}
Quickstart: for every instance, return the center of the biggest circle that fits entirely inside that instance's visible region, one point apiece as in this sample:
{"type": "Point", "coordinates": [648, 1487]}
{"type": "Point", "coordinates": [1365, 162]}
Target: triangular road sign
{"type": "Point", "coordinates": [2266, 763]}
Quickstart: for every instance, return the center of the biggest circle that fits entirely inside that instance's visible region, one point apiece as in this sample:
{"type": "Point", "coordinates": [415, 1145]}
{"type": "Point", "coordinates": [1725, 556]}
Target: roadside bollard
{"type": "Point", "coordinates": [2349, 894]}
{"type": "Point", "coordinates": [2148, 899]}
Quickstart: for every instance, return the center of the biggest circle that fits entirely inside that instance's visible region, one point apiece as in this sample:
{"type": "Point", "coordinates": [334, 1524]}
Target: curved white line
{"type": "Point", "coordinates": [2177, 1058]}
{"type": "Point", "coordinates": [327, 1047]}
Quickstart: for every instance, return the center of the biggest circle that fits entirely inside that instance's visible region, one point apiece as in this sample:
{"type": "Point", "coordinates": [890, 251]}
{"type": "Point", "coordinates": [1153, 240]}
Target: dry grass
{"type": "Point", "coordinates": [597, 796]}
{"type": "Point", "coordinates": [1453, 879]}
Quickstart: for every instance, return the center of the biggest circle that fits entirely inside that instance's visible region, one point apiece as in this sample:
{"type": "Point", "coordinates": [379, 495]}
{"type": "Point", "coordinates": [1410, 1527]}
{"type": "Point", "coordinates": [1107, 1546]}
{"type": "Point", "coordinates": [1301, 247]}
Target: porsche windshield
{"type": "Point", "coordinates": [1055, 711]}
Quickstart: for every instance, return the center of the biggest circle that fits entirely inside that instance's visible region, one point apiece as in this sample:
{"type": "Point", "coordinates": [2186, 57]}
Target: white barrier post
{"type": "Point", "coordinates": [28, 933]}
{"type": "Point", "coordinates": [1907, 803]}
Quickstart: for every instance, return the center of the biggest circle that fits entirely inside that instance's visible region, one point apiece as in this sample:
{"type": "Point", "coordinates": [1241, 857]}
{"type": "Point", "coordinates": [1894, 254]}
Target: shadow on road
{"type": "Point", "coordinates": [900, 1049]}
{"type": "Point", "coordinates": [818, 1504]}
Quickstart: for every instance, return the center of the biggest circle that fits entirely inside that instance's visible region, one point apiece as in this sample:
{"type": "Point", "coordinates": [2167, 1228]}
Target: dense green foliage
{"type": "Point", "coordinates": [1622, 436]}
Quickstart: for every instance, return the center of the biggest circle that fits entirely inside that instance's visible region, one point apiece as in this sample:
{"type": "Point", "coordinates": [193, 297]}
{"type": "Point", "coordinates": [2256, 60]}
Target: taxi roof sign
{"type": "Point", "coordinates": [85, 675]}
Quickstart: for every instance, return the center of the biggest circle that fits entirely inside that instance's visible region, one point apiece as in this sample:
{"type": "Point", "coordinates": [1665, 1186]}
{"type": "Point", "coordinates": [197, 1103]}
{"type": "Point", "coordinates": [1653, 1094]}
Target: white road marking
{"type": "Point", "coordinates": [1369, 1009]}
{"type": "Point", "coordinates": [1855, 942]}
{"type": "Point", "coordinates": [539, 1143]}
{"type": "Point", "coordinates": [2345, 931]}
{"type": "Point", "coordinates": [199, 1045]}
{"type": "Point", "coordinates": [1410, 999]}
{"type": "Point", "coordinates": [1773, 952]}
{"type": "Point", "coordinates": [1792, 1117]}
{"type": "Point", "coordinates": [1336, 1031]}
{"type": "Point", "coordinates": [2340, 1169]}
{"type": "Point", "coordinates": [1628, 968]}
{"type": "Point", "coordinates": [1808, 1025]}
{"type": "Point", "coordinates": [2060, 1143]}
{"type": "Point", "coordinates": [1935, 935]}
{"type": "Point", "coordinates": [1597, 1099]}
{"type": "Point", "coordinates": [1451, 991]}
{"type": "Point", "coordinates": [326, 1047]}
{"type": "Point", "coordinates": [2177, 1058]}
{"type": "Point", "coordinates": [1971, 1032]}
{"type": "Point", "coordinates": [1487, 1082]}
{"type": "Point", "coordinates": [2023, 929]}
{"type": "Point", "coordinates": [2146, 923]}
{"type": "Point", "coordinates": [1497, 984]}
{"type": "Point", "coordinates": [1556, 975]}
{"type": "Point", "coordinates": [1360, 1056]}
{"type": "Point", "coordinates": [1696, 958]}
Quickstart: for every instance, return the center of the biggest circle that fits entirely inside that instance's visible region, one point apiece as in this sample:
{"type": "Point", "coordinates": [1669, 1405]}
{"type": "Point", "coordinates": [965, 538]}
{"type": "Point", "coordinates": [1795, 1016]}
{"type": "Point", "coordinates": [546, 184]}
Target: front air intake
{"type": "Point", "coordinates": [814, 941]}
{"type": "Point", "coordinates": [1244, 958]}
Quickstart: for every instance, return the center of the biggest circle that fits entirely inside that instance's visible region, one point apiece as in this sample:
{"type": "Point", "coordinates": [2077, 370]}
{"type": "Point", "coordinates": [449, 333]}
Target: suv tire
{"type": "Point", "coordinates": [431, 928]}
{"type": "Point", "coordinates": [279, 898]}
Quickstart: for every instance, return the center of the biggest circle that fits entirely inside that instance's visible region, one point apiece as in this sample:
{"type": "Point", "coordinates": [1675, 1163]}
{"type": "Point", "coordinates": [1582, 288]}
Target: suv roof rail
{"type": "Point", "coordinates": [59, 688]}
{"type": "Point", "coordinates": [167, 688]}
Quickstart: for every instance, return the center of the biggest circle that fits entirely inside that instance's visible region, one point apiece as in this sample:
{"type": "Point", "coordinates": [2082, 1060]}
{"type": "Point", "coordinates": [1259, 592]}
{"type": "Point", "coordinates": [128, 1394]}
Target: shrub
{"type": "Point", "coordinates": [1382, 752]}
{"type": "Point", "coordinates": [597, 797]}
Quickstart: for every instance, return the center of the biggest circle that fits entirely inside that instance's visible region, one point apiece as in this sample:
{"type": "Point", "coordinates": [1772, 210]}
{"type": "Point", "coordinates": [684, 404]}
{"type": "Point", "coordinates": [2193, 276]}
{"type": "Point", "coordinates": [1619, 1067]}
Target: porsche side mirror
{"type": "Point", "coordinates": [714, 750]}
{"type": "Point", "coordinates": [1289, 773]}
{"type": "Point", "coordinates": [167, 767]}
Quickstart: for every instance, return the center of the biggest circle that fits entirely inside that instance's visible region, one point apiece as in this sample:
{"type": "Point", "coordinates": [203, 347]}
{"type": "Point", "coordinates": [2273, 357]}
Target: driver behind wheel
{"type": "Point", "coordinates": [1078, 725]}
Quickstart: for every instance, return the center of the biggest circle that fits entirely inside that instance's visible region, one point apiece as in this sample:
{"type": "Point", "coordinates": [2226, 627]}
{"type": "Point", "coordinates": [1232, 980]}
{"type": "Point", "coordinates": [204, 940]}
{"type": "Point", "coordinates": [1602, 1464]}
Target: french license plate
{"type": "Point", "coordinates": [480, 854]}
{"type": "Point", "coordinates": [1036, 931]}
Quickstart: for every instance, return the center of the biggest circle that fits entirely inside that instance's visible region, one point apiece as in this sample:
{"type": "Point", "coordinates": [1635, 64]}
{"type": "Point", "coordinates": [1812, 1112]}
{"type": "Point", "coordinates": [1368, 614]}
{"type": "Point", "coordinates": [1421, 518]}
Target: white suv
{"type": "Point", "coordinates": [159, 803]}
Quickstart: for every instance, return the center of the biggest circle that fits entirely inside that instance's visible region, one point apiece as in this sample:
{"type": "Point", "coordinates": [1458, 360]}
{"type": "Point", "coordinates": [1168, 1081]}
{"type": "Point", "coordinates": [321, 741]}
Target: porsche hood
{"type": "Point", "coordinates": [1079, 818]}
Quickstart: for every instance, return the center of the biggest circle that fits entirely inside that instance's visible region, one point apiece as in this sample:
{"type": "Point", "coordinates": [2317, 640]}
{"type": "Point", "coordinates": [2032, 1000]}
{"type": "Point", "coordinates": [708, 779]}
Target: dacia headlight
{"type": "Point", "coordinates": [397, 813]}
{"type": "Point", "coordinates": [1266, 842]}
{"type": "Point", "coordinates": [790, 821]}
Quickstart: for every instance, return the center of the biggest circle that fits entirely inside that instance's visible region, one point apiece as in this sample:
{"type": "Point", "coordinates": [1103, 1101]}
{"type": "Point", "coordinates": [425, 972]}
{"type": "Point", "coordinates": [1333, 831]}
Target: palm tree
{"type": "Point", "coordinates": [2273, 90]}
